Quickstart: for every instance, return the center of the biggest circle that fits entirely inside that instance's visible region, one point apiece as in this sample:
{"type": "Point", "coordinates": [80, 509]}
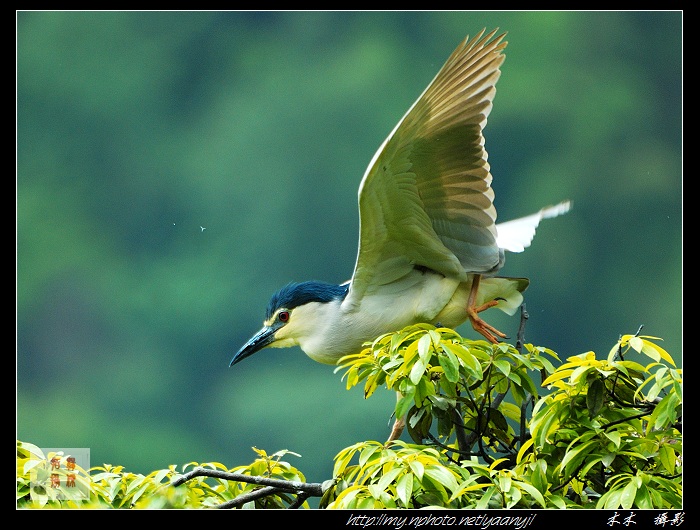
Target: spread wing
{"type": "Point", "coordinates": [426, 198]}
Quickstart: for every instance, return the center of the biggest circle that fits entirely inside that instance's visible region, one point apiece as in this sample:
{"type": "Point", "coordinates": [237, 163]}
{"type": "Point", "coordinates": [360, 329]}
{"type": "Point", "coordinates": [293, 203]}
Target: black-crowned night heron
{"type": "Point", "coordinates": [429, 246]}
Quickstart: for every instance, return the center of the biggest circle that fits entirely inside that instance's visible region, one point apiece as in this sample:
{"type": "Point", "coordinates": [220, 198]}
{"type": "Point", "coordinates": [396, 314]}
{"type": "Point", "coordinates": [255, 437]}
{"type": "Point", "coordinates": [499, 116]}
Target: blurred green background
{"type": "Point", "coordinates": [137, 129]}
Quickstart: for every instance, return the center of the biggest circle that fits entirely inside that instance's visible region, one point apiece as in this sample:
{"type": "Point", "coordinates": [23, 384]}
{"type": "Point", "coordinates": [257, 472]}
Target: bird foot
{"type": "Point", "coordinates": [487, 330]}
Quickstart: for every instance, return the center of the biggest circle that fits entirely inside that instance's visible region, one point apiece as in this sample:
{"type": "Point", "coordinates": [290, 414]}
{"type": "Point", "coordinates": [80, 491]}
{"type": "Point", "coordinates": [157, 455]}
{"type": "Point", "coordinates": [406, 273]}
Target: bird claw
{"type": "Point", "coordinates": [487, 330]}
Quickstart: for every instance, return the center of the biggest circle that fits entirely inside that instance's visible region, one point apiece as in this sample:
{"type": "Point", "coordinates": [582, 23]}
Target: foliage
{"type": "Point", "coordinates": [438, 374]}
{"type": "Point", "coordinates": [603, 437]}
{"type": "Point", "coordinates": [112, 487]}
{"type": "Point", "coordinates": [594, 433]}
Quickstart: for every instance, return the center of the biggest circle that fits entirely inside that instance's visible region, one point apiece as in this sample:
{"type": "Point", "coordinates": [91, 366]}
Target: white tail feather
{"type": "Point", "coordinates": [516, 235]}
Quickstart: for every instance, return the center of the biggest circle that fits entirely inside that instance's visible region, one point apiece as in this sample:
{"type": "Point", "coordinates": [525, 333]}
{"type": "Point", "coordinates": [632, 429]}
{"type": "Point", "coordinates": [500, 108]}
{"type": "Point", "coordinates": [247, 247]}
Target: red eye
{"type": "Point", "coordinates": [283, 316]}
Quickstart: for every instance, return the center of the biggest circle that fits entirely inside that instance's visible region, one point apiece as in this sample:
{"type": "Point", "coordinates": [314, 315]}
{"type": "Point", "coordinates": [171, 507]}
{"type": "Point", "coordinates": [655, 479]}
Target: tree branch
{"type": "Point", "coordinates": [303, 490]}
{"type": "Point", "coordinates": [247, 497]}
{"type": "Point", "coordinates": [524, 315]}
{"type": "Point", "coordinates": [314, 488]}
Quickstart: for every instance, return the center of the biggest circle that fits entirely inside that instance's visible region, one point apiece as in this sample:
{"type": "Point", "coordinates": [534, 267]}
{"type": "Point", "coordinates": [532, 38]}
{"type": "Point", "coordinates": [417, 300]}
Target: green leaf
{"type": "Point", "coordinates": [509, 410]}
{"type": "Point", "coordinates": [373, 381]}
{"type": "Point", "coordinates": [513, 495]}
{"type": "Point", "coordinates": [424, 347]}
{"type": "Point", "coordinates": [628, 494]}
{"type": "Point", "coordinates": [574, 456]}
{"type": "Point", "coordinates": [533, 491]}
{"type": "Point", "coordinates": [643, 499]}
{"type": "Point", "coordinates": [539, 475]}
{"type": "Point", "coordinates": [470, 362]}
{"type": "Point", "coordinates": [527, 383]}
{"type": "Point", "coordinates": [418, 468]}
{"type": "Point", "coordinates": [418, 369]}
{"type": "Point", "coordinates": [581, 372]}
{"type": "Point", "coordinates": [595, 397]}
{"type": "Point", "coordinates": [483, 503]}
{"type": "Point", "coordinates": [424, 389]}
{"type": "Point", "coordinates": [367, 453]}
{"type": "Point", "coordinates": [367, 503]}
{"type": "Point", "coordinates": [404, 404]}
{"type": "Point", "coordinates": [31, 464]}
{"type": "Point", "coordinates": [443, 476]}
{"type": "Point", "coordinates": [637, 344]}
{"type": "Point", "coordinates": [547, 422]}
{"type": "Point", "coordinates": [524, 360]}
{"type": "Point", "coordinates": [404, 489]}
{"type": "Point", "coordinates": [502, 365]}
{"type": "Point", "coordinates": [607, 459]}
{"type": "Point", "coordinates": [556, 376]}
{"type": "Point", "coordinates": [667, 456]}
{"type": "Point", "coordinates": [614, 437]}
{"type": "Point", "coordinates": [546, 364]}
{"type": "Point", "coordinates": [450, 365]}
{"type": "Point", "coordinates": [611, 500]}
{"type": "Point", "coordinates": [656, 352]}
{"type": "Point", "coordinates": [665, 412]}
{"type": "Point", "coordinates": [498, 419]}
{"type": "Point", "coordinates": [388, 477]}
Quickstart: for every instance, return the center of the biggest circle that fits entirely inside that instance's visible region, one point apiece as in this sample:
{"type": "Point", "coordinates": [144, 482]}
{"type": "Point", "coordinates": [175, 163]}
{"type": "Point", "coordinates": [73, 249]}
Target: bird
{"type": "Point", "coordinates": [429, 246]}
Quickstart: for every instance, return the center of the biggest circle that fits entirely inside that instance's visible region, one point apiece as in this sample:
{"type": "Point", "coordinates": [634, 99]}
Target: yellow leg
{"type": "Point", "coordinates": [478, 324]}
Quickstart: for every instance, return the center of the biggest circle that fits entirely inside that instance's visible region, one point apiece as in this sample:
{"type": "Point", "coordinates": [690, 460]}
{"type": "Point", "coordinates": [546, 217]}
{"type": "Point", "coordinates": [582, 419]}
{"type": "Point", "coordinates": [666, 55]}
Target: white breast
{"type": "Point", "coordinates": [417, 297]}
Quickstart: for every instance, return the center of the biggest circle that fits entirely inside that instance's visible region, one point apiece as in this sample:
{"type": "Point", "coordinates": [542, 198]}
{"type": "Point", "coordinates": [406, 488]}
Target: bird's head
{"type": "Point", "coordinates": [294, 314]}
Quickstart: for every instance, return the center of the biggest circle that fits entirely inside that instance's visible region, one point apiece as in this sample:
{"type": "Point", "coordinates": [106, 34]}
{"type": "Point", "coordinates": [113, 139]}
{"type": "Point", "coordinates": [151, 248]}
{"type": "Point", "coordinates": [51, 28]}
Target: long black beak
{"type": "Point", "coordinates": [257, 342]}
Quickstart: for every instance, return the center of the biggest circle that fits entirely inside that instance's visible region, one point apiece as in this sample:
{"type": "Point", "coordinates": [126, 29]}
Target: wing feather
{"type": "Point", "coordinates": [426, 198]}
